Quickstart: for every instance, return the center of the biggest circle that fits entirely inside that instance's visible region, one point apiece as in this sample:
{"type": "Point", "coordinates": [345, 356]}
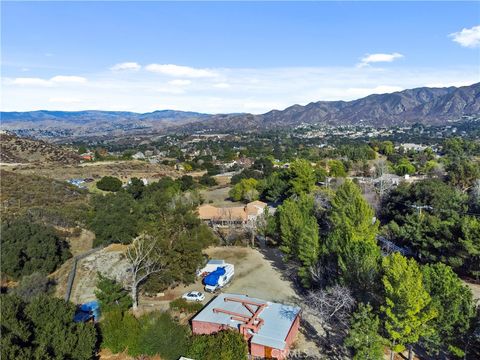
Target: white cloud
{"type": "Point", "coordinates": [126, 66]}
{"type": "Point", "coordinates": [56, 80]}
{"type": "Point", "coordinates": [180, 71]}
{"type": "Point", "coordinates": [68, 79]}
{"type": "Point", "coordinates": [255, 90]}
{"type": "Point", "coordinates": [27, 81]}
{"type": "Point", "coordinates": [64, 100]}
{"type": "Point", "coordinates": [222, 85]}
{"type": "Point", "coordinates": [467, 37]}
{"type": "Point", "coordinates": [180, 82]}
{"type": "Point", "coordinates": [376, 58]}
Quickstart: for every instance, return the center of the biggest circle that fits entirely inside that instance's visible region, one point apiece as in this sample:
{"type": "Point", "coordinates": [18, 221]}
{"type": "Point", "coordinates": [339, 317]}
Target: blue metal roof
{"type": "Point", "coordinates": [278, 318]}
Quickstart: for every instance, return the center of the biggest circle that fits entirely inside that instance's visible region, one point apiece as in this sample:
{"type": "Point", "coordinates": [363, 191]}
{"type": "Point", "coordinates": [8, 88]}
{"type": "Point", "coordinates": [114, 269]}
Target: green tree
{"type": "Point", "coordinates": [44, 329]}
{"type": "Point", "coordinates": [440, 233]}
{"type": "Point", "coordinates": [155, 333]}
{"type": "Point", "coordinates": [109, 183]}
{"type": "Point", "coordinates": [29, 247]}
{"type": "Point", "coordinates": [351, 243]}
{"type": "Point", "coordinates": [120, 330]}
{"type": "Point", "coordinates": [265, 165]}
{"type": "Point", "coordinates": [186, 183]}
{"type": "Point", "coordinates": [337, 169]}
{"type": "Point", "coordinates": [162, 335]}
{"type": "Point", "coordinates": [33, 285]}
{"type": "Point", "coordinates": [468, 239]}
{"type": "Point", "coordinates": [111, 295]}
{"type": "Point", "coordinates": [386, 148]}
{"type": "Point", "coordinates": [274, 188]}
{"type": "Point", "coordinates": [224, 345]}
{"type": "Point", "coordinates": [404, 167]}
{"type": "Point", "coordinates": [207, 180]}
{"type": "Point", "coordinates": [301, 177]}
{"type": "Point", "coordinates": [245, 190]}
{"type": "Point", "coordinates": [463, 173]}
{"type": "Point", "coordinates": [113, 218]}
{"type": "Point", "coordinates": [453, 302]}
{"type": "Point", "coordinates": [363, 337]}
{"type": "Point", "coordinates": [135, 187]}
{"type": "Point", "coordinates": [299, 233]}
{"type": "Point", "coordinates": [407, 309]}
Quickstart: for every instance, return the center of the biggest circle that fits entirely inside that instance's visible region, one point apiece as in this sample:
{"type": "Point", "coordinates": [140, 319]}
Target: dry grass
{"type": "Point", "coordinates": [121, 169]}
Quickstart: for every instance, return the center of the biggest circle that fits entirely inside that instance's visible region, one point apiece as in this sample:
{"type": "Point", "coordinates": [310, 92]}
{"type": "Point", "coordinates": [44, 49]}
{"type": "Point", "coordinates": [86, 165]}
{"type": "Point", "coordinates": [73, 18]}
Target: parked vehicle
{"type": "Point", "coordinates": [194, 296]}
{"type": "Point", "coordinates": [211, 265]}
{"type": "Point", "coordinates": [219, 278]}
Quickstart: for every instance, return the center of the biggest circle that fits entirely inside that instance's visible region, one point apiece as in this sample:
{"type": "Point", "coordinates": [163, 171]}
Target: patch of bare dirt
{"type": "Point", "coordinates": [124, 170]}
{"type": "Point", "coordinates": [108, 262]}
{"type": "Point", "coordinates": [80, 241]}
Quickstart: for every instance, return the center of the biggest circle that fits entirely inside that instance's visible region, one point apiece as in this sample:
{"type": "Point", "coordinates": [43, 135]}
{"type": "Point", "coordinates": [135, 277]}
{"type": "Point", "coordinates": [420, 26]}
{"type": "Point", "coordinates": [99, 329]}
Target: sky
{"type": "Point", "coordinates": [218, 57]}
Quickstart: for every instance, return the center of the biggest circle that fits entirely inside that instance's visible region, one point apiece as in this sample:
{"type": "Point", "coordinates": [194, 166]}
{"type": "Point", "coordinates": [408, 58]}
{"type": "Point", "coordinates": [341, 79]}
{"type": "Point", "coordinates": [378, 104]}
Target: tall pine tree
{"type": "Point", "coordinates": [299, 233]}
{"type": "Point", "coordinates": [364, 336]}
{"type": "Point", "coordinates": [351, 244]}
{"type": "Point", "coordinates": [407, 309]}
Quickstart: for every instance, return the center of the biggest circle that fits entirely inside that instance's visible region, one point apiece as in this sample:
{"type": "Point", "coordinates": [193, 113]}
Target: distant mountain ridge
{"type": "Point", "coordinates": [94, 115]}
{"type": "Point", "coordinates": [421, 105]}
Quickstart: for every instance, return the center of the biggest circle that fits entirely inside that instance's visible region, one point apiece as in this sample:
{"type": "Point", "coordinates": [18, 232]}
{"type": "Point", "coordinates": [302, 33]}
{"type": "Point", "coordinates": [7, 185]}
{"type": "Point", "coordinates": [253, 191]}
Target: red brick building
{"type": "Point", "coordinates": [269, 328]}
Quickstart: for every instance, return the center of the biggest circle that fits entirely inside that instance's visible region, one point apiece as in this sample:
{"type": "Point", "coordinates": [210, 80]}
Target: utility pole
{"type": "Point", "coordinates": [419, 208]}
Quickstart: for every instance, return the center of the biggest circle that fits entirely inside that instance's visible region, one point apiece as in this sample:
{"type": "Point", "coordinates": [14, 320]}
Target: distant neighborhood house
{"type": "Point", "coordinates": [231, 215]}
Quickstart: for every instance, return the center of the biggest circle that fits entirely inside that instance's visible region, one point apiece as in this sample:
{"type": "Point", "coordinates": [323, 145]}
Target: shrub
{"type": "Point", "coordinates": [151, 334]}
{"type": "Point", "coordinates": [161, 335]}
{"type": "Point", "coordinates": [119, 331]}
{"type": "Point", "coordinates": [112, 295]}
{"type": "Point", "coordinates": [207, 180]}
{"type": "Point", "coordinates": [224, 345]}
{"type": "Point", "coordinates": [113, 219]}
{"type": "Point", "coordinates": [43, 329]}
{"type": "Point", "coordinates": [183, 305]}
{"type": "Point", "coordinates": [109, 183]}
{"type": "Point", "coordinates": [29, 247]}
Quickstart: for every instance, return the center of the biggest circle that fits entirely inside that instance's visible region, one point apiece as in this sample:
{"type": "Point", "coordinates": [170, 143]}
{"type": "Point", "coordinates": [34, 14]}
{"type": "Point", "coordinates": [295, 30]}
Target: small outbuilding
{"type": "Point", "coordinates": [269, 328]}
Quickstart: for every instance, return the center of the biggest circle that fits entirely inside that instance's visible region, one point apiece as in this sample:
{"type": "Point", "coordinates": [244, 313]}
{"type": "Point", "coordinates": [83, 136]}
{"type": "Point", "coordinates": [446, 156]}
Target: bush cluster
{"type": "Point", "coordinates": [183, 305]}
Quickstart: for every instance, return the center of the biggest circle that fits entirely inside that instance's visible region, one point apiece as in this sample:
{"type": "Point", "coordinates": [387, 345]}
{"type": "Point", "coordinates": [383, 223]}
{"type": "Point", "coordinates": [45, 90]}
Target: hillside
{"type": "Point", "coordinates": [54, 124]}
{"type": "Point", "coordinates": [14, 149]}
{"type": "Point", "coordinates": [55, 201]}
{"type": "Point", "coordinates": [420, 105]}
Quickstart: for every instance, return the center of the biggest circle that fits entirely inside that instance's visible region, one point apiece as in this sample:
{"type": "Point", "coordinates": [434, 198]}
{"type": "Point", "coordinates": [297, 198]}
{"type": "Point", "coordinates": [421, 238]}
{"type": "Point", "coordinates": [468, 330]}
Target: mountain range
{"type": "Point", "coordinates": [421, 105]}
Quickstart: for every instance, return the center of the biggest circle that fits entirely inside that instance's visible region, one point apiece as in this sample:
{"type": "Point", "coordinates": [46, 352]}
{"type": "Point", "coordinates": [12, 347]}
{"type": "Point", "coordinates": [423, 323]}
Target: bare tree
{"type": "Point", "coordinates": [333, 306]}
{"type": "Point", "coordinates": [250, 228]}
{"type": "Point", "coordinates": [262, 224]}
{"type": "Point", "coordinates": [381, 168]}
{"type": "Point", "coordinates": [144, 256]}
{"type": "Point", "coordinates": [225, 225]}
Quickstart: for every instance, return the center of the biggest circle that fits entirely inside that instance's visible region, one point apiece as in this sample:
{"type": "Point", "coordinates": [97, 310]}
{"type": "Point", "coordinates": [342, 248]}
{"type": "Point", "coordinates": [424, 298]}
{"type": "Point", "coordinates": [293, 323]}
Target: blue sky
{"type": "Point", "coordinates": [229, 57]}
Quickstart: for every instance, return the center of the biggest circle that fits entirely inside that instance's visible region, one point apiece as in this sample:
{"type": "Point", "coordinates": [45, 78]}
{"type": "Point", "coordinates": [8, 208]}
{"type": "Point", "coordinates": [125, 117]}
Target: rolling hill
{"type": "Point", "coordinates": [14, 149]}
{"type": "Point", "coordinates": [420, 105]}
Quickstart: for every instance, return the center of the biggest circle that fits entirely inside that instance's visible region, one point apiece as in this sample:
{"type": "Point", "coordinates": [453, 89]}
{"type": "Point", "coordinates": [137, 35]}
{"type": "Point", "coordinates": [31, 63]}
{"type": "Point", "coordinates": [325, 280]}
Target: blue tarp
{"type": "Point", "coordinates": [90, 306]}
{"type": "Point", "coordinates": [212, 278]}
{"type": "Point", "coordinates": [81, 316]}
{"type": "Point", "coordinates": [87, 311]}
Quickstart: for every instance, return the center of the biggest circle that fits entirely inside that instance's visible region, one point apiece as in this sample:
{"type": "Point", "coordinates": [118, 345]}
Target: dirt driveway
{"type": "Point", "coordinates": [257, 275]}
